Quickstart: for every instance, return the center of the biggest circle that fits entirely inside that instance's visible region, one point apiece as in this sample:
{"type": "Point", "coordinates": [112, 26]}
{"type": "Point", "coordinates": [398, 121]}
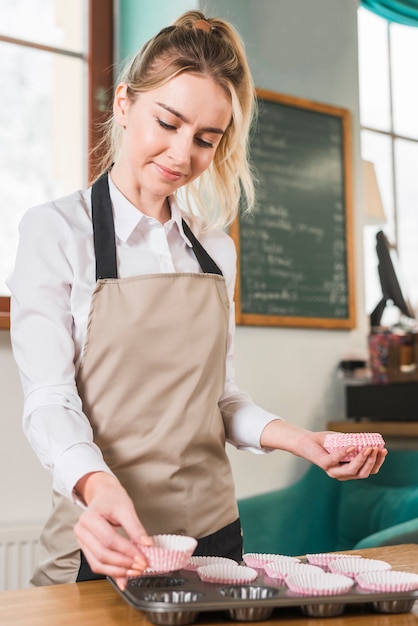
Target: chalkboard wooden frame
{"type": "Point", "coordinates": [346, 319]}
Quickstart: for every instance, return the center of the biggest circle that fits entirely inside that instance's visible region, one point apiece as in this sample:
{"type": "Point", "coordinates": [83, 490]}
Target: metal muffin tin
{"type": "Point", "coordinates": [178, 598]}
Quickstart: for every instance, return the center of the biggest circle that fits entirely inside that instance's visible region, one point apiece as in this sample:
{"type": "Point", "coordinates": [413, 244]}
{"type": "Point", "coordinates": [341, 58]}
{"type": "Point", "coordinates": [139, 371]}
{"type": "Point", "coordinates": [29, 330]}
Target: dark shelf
{"type": "Point", "coordinates": [392, 402]}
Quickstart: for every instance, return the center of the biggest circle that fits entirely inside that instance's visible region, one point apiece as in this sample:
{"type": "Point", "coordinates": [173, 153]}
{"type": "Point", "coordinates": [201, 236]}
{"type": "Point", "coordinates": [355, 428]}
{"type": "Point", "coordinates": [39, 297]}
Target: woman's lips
{"type": "Point", "coordinates": [169, 174]}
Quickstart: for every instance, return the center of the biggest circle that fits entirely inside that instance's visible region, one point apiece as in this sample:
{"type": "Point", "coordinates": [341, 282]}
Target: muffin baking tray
{"type": "Point", "coordinates": [180, 597]}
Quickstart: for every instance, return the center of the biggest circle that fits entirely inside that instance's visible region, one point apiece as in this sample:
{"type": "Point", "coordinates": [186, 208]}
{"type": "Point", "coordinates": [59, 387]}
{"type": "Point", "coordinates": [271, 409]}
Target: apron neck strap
{"type": "Point", "coordinates": [103, 229]}
{"type": "Point", "coordinates": [206, 262]}
{"type": "Point", "coordinates": [105, 240]}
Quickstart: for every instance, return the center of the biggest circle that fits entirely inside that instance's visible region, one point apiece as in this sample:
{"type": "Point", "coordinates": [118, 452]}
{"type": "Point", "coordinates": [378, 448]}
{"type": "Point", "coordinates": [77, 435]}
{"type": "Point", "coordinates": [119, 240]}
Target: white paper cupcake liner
{"type": "Point", "coordinates": [386, 581]}
{"type": "Point", "coordinates": [322, 559]}
{"type": "Point", "coordinates": [353, 567]}
{"type": "Point", "coordinates": [199, 561]}
{"type": "Point", "coordinates": [221, 573]}
{"type": "Point", "coordinates": [169, 552]}
{"type": "Point", "coordinates": [323, 584]}
{"type": "Point", "coordinates": [281, 569]}
{"type": "Point", "coordinates": [360, 441]}
{"type": "Point", "coordinates": [254, 559]}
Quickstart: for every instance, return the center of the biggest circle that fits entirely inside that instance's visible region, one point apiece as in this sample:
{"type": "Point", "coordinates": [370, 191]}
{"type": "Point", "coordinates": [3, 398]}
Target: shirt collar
{"type": "Point", "coordinates": [127, 216]}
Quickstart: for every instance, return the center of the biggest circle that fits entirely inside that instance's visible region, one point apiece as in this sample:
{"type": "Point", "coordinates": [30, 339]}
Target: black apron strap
{"type": "Point", "coordinates": [206, 262]}
{"type": "Point", "coordinates": [105, 239]}
{"type": "Point", "coordinates": [103, 229]}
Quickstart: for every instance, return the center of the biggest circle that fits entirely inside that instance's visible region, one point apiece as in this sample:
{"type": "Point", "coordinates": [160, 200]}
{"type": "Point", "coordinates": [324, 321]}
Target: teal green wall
{"type": "Point", "coordinates": [139, 20]}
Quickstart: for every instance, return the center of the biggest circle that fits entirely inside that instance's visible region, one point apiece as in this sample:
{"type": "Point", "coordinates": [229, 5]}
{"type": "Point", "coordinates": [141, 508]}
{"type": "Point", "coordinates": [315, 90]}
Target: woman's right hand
{"type": "Point", "coordinates": [109, 510]}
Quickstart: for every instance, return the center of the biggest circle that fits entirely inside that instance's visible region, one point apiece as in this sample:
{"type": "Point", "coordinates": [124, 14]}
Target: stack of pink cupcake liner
{"type": "Point", "coordinates": [358, 441]}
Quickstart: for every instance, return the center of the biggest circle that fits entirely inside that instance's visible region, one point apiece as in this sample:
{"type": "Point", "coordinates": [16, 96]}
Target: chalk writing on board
{"type": "Point", "coordinates": [294, 249]}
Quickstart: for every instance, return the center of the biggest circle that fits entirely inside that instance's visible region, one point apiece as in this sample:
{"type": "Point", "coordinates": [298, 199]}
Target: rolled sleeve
{"type": "Point", "coordinates": [62, 437]}
{"type": "Point", "coordinates": [244, 421]}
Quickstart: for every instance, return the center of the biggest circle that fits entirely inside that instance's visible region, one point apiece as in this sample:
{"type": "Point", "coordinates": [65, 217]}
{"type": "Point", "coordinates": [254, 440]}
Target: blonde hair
{"type": "Point", "coordinates": [213, 48]}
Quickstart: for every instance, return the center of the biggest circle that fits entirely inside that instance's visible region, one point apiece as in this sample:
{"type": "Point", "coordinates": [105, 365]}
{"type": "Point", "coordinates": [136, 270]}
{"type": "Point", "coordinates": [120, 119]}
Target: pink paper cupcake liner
{"type": "Point", "coordinates": [322, 559]}
{"type": "Point", "coordinates": [323, 584]}
{"type": "Point", "coordinates": [360, 441]}
{"type": "Point", "coordinates": [221, 573]}
{"type": "Point", "coordinates": [386, 581]}
{"type": "Point", "coordinates": [281, 569]}
{"type": "Point", "coordinates": [253, 559]}
{"type": "Point", "coordinates": [353, 567]}
{"type": "Point", "coordinates": [169, 552]}
{"type": "Point", "coordinates": [199, 561]}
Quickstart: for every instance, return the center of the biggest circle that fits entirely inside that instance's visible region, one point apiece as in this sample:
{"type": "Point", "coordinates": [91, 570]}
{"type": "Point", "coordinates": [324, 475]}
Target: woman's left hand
{"type": "Point", "coordinates": [281, 435]}
{"type": "Point", "coordinates": [366, 462]}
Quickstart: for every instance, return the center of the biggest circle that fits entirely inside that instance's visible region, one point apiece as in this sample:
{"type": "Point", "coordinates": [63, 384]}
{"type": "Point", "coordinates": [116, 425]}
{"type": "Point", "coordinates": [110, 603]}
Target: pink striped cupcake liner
{"type": "Point", "coordinates": [386, 581]}
{"type": "Point", "coordinates": [221, 573]}
{"type": "Point", "coordinates": [254, 559]}
{"type": "Point", "coordinates": [281, 569]}
{"type": "Point", "coordinates": [359, 441]}
{"type": "Point", "coordinates": [353, 567]}
{"type": "Point", "coordinates": [323, 584]}
{"type": "Point", "coordinates": [199, 561]}
{"type": "Point", "coordinates": [322, 559]}
{"type": "Point", "coordinates": [169, 553]}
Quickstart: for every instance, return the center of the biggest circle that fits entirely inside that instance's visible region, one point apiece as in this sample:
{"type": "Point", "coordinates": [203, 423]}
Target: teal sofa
{"type": "Point", "coordinates": [321, 514]}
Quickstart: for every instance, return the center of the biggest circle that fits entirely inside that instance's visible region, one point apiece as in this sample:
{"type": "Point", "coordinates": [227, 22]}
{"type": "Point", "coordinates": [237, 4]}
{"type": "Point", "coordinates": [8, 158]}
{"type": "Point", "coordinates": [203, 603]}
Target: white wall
{"type": "Point", "coordinates": [299, 47]}
{"type": "Point", "coordinates": [24, 485]}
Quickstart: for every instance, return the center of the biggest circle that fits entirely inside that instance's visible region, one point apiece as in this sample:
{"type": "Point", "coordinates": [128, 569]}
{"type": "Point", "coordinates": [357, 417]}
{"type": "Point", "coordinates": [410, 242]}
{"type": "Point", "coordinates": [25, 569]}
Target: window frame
{"type": "Point", "coordinates": [100, 64]}
{"type": "Point", "coordinates": [392, 136]}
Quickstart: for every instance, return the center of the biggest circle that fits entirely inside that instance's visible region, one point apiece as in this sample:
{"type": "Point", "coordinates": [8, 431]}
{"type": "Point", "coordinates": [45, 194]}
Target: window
{"type": "Point", "coordinates": [389, 138]}
{"type": "Point", "coordinates": [56, 68]}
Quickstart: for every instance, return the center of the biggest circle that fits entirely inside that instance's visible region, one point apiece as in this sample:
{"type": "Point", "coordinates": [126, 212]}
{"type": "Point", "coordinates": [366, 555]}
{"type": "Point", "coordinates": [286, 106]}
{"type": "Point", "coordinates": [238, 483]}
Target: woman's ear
{"type": "Point", "coordinates": [120, 104]}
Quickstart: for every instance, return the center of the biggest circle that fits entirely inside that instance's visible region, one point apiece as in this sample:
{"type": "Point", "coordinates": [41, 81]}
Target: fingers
{"type": "Point", "coordinates": [106, 550]}
{"type": "Point", "coordinates": [134, 529]}
{"type": "Point", "coordinates": [121, 582]}
{"type": "Point", "coordinates": [366, 462]}
{"type": "Point", "coordinates": [109, 532]}
{"type": "Point", "coordinates": [363, 463]}
{"type": "Point", "coordinates": [380, 458]}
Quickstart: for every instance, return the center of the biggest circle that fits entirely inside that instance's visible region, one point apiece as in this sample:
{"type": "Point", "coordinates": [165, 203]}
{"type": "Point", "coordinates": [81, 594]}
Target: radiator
{"type": "Point", "coordinates": [18, 554]}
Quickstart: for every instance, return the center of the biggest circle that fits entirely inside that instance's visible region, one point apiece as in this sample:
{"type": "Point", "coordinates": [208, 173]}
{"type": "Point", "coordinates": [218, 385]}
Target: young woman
{"type": "Point", "coordinates": [123, 321]}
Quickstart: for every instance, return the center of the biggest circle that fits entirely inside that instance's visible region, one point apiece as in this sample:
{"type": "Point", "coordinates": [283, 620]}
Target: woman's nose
{"type": "Point", "coordinates": [181, 148]}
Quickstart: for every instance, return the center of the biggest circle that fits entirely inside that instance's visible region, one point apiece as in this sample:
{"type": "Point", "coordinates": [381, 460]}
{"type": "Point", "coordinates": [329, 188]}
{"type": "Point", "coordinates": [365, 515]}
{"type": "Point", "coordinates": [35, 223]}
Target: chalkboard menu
{"type": "Point", "coordinates": [295, 265]}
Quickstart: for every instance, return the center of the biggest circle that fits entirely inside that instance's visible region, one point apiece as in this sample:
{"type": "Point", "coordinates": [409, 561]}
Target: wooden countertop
{"type": "Point", "coordinates": [97, 603]}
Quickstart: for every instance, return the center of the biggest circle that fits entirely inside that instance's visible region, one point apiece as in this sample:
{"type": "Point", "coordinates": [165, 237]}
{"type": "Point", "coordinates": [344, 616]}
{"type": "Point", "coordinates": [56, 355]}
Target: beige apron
{"type": "Point", "coordinates": [152, 372]}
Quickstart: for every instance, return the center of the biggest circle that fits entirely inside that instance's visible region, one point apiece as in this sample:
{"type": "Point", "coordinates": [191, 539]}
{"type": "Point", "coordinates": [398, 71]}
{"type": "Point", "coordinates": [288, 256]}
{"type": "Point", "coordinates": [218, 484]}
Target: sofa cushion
{"type": "Point", "coordinates": [366, 508]}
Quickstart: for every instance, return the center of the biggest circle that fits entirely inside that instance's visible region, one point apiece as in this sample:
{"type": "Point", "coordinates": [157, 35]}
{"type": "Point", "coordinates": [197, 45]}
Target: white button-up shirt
{"type": "Point", "coordinates": [51, 288]}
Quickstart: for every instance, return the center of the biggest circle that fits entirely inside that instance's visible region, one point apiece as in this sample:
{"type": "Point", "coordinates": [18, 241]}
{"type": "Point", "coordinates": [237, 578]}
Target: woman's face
{"type": "Point", "coordinates": [170, 133]}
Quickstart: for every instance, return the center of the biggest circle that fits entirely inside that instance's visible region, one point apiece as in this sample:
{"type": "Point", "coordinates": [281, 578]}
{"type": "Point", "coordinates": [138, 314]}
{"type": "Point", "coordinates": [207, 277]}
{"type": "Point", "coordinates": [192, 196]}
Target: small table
{"type": "Point", "coordinates": [97, 603]}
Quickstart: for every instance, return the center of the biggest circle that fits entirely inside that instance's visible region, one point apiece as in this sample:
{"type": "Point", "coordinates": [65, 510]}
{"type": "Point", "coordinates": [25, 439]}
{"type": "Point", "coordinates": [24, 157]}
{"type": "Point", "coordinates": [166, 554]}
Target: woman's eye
{"type": "Point", "coordinates": [165, 125]}
{"type": "Point", "coordinates": [203, 143]}
{"type": "Point", "coordinates": [170, 127]}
